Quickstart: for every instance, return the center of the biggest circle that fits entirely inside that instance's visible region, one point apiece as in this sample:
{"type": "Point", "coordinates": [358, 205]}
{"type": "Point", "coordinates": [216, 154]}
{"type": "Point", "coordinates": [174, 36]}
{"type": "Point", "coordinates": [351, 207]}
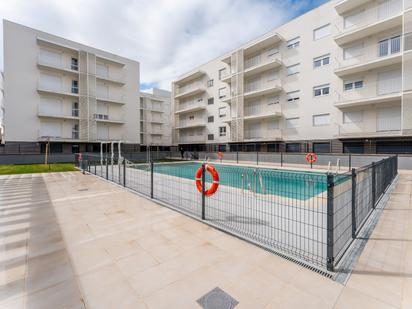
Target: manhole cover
{"type": "Point", "coordinates": [217, 299]}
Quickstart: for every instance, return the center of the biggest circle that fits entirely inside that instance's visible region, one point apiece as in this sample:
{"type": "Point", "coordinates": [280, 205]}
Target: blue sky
{"type": "Point", "coordinates": [167, 37]}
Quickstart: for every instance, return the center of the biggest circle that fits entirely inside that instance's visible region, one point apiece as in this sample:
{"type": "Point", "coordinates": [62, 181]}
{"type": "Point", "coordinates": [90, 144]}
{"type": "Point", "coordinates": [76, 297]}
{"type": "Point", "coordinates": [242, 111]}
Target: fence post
{"type": "Point", "coordinates": [373, 185]}
{"type": "Point", "coordinates": [281, 159]}
{"type": "Point", "coordinates": [329, 223]}
{"type": "Point", "coordinates": [257, 157]}
{"type": "Point", "coordinates": [237, 156]}
{"type": "Point", "coordinates": [203, 191]}
{"type": "Point", "coordinates": [151, 179]}
{"type": "Point", "coordinates": [107, 169]}
{"type": "Point", "coordinates": [124, 172]}
{"type": "Point", "coordinates": [350, 161]}
{"type": "Point", "coordinates": [353, 203]}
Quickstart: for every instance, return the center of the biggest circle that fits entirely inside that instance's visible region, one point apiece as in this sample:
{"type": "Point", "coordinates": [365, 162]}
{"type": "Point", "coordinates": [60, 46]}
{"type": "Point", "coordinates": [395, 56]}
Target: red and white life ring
{"type": "Point", "coordinates": [215, 176]}
{"type": "Point", "coordinates": [311, 158]}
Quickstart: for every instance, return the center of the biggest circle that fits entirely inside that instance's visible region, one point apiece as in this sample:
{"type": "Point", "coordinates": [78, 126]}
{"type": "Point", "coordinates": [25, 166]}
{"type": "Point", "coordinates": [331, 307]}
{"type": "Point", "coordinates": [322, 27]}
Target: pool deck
{"type": "Point", "coordinates": [76, 241]}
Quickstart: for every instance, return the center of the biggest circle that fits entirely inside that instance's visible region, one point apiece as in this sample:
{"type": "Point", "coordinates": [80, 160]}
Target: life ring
{"type": "Point", "coordinates": [215, 176]}
{"type": "Point", "coordinates": [220, 155]}
{"type": "Point", "coordinates": [311, 158]}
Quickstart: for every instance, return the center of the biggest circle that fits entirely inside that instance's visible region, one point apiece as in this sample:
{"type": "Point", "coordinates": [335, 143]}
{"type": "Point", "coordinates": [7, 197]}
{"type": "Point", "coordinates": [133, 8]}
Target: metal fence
{"type": "Point", "coordinates": [310, 217]}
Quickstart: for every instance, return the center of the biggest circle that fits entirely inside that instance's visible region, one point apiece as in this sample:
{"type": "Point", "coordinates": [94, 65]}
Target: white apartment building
{"type": "Point", "coordinates": [338, 78]}
{"type": "Point", "coordinates": [1, 109]}
{"type": "Point", "coordinates": [155, 118]}
{"type": "Point", "coordinates": [70, 94]}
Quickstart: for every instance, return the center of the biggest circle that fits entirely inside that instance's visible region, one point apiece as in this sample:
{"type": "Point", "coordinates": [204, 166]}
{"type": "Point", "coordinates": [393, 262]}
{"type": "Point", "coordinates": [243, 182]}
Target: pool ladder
{"type": "Point", "coordinates": [252, 184]}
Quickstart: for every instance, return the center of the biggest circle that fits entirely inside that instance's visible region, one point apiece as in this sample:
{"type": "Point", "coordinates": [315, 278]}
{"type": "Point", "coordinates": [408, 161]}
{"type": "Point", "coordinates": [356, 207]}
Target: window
{"type": "Point", "coordinates": [74, 64]}
{"type": "Point", "coordinates": [222, 93]}
{"type": "Point", "coordinates": [389, 46]}
{"type": "Point", "coordinates": [75, 131]}
{"type": "Point", "coordinates": [293, 69]}
{"type": "Point", "coordinates": [294, 43]}
{"type": "Point", "coordinates": [321, 120]}
{"type": "Point", "coordinates": [210, 137]}
{"type": "Point", "coordinates": [353, 84]}
{"type": "Point", "coordinates": [353, 51]}
{"type": "Point", "coordinates": [222, 73]}
{"type": "Point", "coordinates": [210, 83]}
{"type": "Point", "coordinates": [352, 117]}
{"type": "Point", "coordinates": [321, 61]}
{"type": "Point", "coordinates": [292, 123]}
{"type": "Point", "coordinates": [293, 96]}
{"type": "Point", "coordinates": [389, 119]}
{"type": "Point", "coordinates": [75, 86]}
{"type": "Point", "coordinates": [321, 32]}
{"type": "Point", "coordinates": [210, 119]}
{"type": "Point", "coordinates": [222, 131]}
{"type": "Point", "coordinates": [321, 90]}
{"type": "Point", "coordinates": [210, 101]}
{"type": "Point", "coordinates": [222, 112]}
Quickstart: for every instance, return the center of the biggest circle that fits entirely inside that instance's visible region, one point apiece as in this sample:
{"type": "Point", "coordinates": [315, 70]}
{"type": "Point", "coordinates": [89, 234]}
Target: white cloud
{"type": "Point", "coordinates": [167, 37]}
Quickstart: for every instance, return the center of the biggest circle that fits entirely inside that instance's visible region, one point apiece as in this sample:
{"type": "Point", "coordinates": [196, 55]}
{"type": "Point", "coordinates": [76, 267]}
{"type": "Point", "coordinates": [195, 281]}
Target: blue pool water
{"type": "Point", "coordinates": [285, 183]}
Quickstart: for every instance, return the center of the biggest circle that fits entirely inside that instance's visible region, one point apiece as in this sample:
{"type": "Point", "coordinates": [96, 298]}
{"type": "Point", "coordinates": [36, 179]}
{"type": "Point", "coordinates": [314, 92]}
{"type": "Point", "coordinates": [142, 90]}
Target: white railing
{"type": "Point", "coordinates": [190, 87]}
{"type": "Point", "coordinates": [261, 59]}
{"type": "Point", "coordinates": [371, 89]}
{"type": "Point", "coordinates": [111, 98]}
{"type": "Point", "coordinates": [189, 123]}
{"type": "Point", "coordinates": [261, 109]}
{"type": "Point", "coordinates": [108, 117]}
{"type": "Point", "coordinates": [62, 89]}
{"type": "Point", "coordinates": [62, 65]}
{"type": "Point", "coordinates": [369, 16]}
{"type": "Point", "coordinates": [261, 84]}
{"type": "Point", "coordinates": [112, 76]}
{"type": "Point", "coordinates": [44, 111]}
{"type": "Point", "coordinates": [364, 128]}
{"type": "Point", "coordinates": [370, 52]}
{"type": "Point", "coordinates": [192, 138]}
{"type": "Point", "coordinates": [185, 105]}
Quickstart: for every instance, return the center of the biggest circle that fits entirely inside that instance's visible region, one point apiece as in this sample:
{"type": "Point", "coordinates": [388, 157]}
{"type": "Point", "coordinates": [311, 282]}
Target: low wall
{"type": "Point", "coordinates": [35, 158]}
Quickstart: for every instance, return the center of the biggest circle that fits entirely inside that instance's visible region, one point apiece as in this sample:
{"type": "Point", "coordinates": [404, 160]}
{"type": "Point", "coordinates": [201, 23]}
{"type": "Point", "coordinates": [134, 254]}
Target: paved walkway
{"type": "Point", "coordinates": [73, 241]}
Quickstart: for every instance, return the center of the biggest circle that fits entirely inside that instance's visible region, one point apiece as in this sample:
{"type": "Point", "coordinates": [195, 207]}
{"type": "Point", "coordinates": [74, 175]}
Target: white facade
{"type": "Point", "coordinates": [341, 72]}
{"type": "Point", "coordinates": [1, 108]}
{"type": "Point", "coordinates": [155, 118]}
{"type": "Point", "coordinates": [67, 92]}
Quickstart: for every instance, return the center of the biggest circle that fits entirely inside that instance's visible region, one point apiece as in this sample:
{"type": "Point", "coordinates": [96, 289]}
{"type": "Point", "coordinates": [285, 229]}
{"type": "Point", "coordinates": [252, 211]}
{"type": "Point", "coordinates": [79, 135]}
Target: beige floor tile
{"type": "Point", "coordinates": [135, 263]}
{"type": "Point", "coordinates": [354, 299]}
{"type": "Point", "coordinates": [88, 256]}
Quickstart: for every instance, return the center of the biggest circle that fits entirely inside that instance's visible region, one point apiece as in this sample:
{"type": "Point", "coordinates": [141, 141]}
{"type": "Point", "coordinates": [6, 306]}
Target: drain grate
{"type": "Point", "coordinates": [217, 299]}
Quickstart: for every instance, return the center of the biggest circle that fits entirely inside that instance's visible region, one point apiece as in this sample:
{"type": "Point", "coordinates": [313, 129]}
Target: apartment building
{"type": "Point", "coordinates": [72, 95]}
{"type": "Point", "coordinates": [338, 78]}
{"type": "Point", "coordinates": [1, 108]}
{"type": "Point", "coordinates": [155, 123]}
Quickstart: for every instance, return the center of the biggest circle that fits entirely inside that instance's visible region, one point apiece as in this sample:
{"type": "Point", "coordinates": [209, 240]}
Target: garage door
{"type": "Point", "coordinates": [321, 147]}
{"type": "Point", "coordinates": [351, 147]}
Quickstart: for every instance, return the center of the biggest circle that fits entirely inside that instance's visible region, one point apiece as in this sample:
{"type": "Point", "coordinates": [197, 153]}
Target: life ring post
{"type": "Point", "coordinates": [203, 191]}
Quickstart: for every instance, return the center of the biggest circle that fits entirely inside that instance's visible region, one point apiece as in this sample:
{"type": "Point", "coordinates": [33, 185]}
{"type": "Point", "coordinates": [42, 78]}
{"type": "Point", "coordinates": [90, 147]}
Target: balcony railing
{"type": "Point", "coordinates": [189, 105]}
{"type": "Point", "coordinates": [106, 117]}
{"type": "Point", "coordinates": [261, 109]}
{"type": "Point", "coordinates": [64, 90]}
{"type": "Point", "coordinates": [261, 84]}
{"type": "Point", "coordinates": [365, 129]}
{"type": "Point", "coordinates": [46, 112]}
{"type": "Point", "coordinates": [261, 134]}
{"type": "Point", "coordinates": [192, 138]}
{"type": "Point", "coordinates": [371, 52]}
{"type": "Point", "coordinates": [65, 66]}
{"type": "Point", "coordinates": [369, 91]}
{"type": "Point", "coordinates": [191, 123]}
{"type": "Point", "coordinates": [113, 98]}
{"type": "Point", "coordinates": [369, 16]}
{"type": "Point", "coordinates": [190, 87]}
{"type": "Point", "coordinates": [111, 76]}
{"type": "Point", "coordinates": [261, 59]}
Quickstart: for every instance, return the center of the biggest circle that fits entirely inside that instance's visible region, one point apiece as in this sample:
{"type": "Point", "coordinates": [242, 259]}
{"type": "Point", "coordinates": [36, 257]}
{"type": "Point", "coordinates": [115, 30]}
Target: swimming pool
{"type": "Point", "coordinates": [298, 185]}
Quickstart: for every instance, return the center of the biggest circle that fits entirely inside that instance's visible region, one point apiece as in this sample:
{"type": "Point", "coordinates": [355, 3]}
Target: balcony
{"type": "Point", "coordinates": [190, 77]}
{"type": "Point", "coordinates": [113, 78]}
{"type": "Point", "coordinates": [41, 136]}
{"type": "Point", "coordinates": [111, 98]}
{"type": "Point", "coordinates": [251, 135]}
{"type": "Point", "coordinates": [153, 118]}
{"type": "Point", "coordinates": [364, 130]}
{"type": "Point", "coordinates": [190, 90]}
{"type": "Point", "coordinates": [188, 139]}
{"type": "Point", "coordinates": [261, 87]}
{"type": "Point", "coordinates": [191, 106]}
{"type": "Point", "coordinates": [44, 112]}
{"type": "Point", "coordinates": [265, 43]}
{"type": "Point", "coordinates": [372, 57]}
{"type": "Point", "coordinates": [108, 119]}
{"type": "Point", "coordinates": [226, 76]}
{"type": "Point", "coordinates": [62, 91]}
{"type": "Point", "coordinates": [261, 63]}
{"type": "Point", "coordinates": [369, 22]}
{"type": "Point", "coordinates": [57, 67]}
{"type": "Point", "coordinates": [189, 124]}
{"type": "Point", "coordinates": [348, 5]}
{"type": "Point", "coordinates": [262, 111]}
{"type": "Point", "coordinates": [373, 92]}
